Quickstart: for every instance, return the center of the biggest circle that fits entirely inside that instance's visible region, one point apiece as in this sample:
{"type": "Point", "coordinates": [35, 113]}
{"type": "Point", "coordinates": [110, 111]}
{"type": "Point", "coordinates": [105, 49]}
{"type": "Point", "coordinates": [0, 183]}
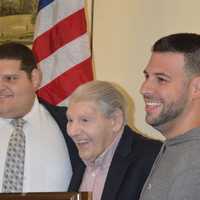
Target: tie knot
{"type": "Point", "coordinates": [18, 123]}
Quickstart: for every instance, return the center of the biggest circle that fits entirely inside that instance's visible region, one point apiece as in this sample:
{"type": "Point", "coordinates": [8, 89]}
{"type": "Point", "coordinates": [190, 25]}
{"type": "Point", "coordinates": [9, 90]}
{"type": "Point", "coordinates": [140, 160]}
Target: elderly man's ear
{"type": "Point", "coordinates": [117, 120]}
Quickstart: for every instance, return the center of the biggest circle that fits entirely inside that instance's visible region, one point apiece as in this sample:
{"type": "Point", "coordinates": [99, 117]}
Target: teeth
{"type": "Point", "coordinates": [81, 141]}
{"type": "Point", "coordinates": [4, 96]}
{"type": "Point", "coordinates": [152, 104]}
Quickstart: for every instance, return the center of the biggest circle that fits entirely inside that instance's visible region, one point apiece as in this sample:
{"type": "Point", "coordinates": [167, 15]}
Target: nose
{"type": "Point", "coordinates": [2, 85]}
{"type": "Point", "coordinates": [146, 88]}
{"type": "Point", "coordinates": [73, 128]}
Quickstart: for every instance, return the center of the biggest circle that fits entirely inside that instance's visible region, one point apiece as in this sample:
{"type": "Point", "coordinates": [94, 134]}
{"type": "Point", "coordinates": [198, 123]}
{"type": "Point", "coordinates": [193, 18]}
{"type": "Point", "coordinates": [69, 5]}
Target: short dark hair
{"type": "Point", "coordinates": [17, 51]}
{"type": "Point", "coordinates": [186, 43]}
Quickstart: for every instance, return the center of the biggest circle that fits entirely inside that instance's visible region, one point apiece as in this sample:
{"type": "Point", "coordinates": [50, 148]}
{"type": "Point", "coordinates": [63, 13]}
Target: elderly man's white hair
{"type": "Point", "coordinates": [105, 94]}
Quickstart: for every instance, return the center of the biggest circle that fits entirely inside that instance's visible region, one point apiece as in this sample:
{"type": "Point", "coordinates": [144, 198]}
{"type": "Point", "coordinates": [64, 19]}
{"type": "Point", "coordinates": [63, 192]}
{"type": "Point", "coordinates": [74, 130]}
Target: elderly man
{"type": "Point", "coordinates": [116, 159]}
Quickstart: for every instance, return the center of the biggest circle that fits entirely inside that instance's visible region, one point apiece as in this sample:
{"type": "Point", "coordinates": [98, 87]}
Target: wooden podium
{"type": "Point", "coordinates": [47, 196]}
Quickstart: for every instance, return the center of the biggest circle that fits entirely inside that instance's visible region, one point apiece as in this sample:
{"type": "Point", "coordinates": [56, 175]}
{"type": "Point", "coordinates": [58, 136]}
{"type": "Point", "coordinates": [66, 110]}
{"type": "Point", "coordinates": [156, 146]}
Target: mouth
{"type": "Point", "coordinates": [81, 142]}
{"type": "Point", "coordinates": [5, 96]}
{"type": "Point", "coordinates": [152, 106]}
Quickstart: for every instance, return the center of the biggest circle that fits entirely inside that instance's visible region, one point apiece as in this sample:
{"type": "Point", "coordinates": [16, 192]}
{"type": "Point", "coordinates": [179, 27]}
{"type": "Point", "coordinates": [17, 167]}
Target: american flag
{"type": "Point", "coordinates": [61, 47]}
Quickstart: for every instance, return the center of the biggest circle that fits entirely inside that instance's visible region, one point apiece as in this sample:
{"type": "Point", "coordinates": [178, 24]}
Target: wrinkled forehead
{"type": "Point", "coordinates": [81, 108]}
{"type": "Point", "coordinates": [86, 105]}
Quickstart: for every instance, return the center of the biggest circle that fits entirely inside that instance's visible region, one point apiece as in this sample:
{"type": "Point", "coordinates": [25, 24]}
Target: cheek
{"type": "Point", "coordinates": [168, 96]}
{"type": "Point", "coordinates": [24, 89]}
{"type": "Point", "coordinates": [101, 138]}
{"type": "Point", "coordinates": [95, 137]}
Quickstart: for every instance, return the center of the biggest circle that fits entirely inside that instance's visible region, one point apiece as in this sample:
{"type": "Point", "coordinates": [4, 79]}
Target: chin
{"type": "Point", "coordinates": [83, 156]}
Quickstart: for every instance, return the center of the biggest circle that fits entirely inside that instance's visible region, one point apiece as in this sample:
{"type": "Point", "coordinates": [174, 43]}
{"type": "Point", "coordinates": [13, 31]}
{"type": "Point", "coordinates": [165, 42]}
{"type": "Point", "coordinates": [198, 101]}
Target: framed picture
{"type": "Point", "coordinates": [17, 20]}
{"type": "Point", "coordinates": [47, 196]}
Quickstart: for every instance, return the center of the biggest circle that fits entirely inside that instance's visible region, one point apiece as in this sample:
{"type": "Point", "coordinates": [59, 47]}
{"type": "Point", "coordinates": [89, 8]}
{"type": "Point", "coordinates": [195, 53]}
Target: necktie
{"type": "Point", "coordinates": [14, 165]}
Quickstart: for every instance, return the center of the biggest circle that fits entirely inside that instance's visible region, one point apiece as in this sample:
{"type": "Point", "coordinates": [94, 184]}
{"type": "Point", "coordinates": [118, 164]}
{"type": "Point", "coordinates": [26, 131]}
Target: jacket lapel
{"type": "Point", "coordinates": [118, 167]}
{"type": "Point", "coordinates": [76, 178]}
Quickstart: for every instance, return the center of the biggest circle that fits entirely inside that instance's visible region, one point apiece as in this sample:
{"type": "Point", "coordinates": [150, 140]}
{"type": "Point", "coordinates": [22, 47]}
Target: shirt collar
{"type": "Point", "coordinates": [33, 112]}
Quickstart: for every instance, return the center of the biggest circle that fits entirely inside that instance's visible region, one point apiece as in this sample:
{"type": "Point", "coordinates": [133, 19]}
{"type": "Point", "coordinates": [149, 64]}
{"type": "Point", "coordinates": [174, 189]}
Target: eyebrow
{"type": "Point", "coordinates": [158, 74]}
{"type": "Point", "coordinates": [11, 74]}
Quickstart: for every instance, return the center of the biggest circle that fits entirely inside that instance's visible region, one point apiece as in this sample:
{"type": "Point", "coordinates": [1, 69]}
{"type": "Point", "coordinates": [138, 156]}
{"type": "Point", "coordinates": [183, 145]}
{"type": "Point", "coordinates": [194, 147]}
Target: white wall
{"type": "Point", "coordinates": [124, 31]}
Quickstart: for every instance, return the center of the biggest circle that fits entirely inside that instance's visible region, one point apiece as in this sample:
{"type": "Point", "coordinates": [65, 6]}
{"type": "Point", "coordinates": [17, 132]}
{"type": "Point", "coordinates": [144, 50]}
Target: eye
{"type": "Point", "coordinates": [9, 78]}
{"type": "Point", "coordinates": [84, 120]}
{"type": "Point", "coordinates": [162, 79]}
{"type": "Point", "coordinates": [146, 76]}
{"type": "Point", "coordinates": [69, 120]}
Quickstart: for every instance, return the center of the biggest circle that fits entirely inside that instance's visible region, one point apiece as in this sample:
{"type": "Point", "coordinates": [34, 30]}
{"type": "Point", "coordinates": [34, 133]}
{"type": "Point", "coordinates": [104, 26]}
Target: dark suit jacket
{"type": "Point", "coordinates": [129, 168]}
{"type": "Point", "coordinates": [59, 114]}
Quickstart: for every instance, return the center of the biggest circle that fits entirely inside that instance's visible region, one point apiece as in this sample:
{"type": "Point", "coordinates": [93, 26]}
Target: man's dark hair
{"type": "Point", "coordinates": [17, 51]}
{"type": "Point", "coordinates": [187, 44]}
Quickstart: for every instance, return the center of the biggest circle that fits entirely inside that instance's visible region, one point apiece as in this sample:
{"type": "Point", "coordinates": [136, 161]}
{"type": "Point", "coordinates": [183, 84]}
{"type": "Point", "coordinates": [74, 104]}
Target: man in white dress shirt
{"type": "Point", "coordinates": [49, 152]}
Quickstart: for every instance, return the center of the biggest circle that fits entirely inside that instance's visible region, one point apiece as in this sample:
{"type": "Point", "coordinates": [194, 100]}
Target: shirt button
{"type": "Point", "coordinates": [149, 186]}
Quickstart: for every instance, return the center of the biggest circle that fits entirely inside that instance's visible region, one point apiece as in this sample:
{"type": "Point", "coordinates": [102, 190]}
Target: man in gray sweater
{"type": "Point", "coordinates": [171, 92]}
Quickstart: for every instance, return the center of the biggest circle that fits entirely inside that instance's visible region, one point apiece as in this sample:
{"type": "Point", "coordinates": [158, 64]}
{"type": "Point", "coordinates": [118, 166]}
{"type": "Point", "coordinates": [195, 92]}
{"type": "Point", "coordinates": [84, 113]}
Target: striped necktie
{"type": "Point", "coordinates": [14, 165]}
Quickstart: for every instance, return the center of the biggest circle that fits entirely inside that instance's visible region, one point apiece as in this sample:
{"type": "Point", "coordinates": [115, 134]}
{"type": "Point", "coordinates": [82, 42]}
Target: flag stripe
{"type": "Point", "coordinates": [44, 3]}
{"type": "Point", "coordinates": [55, 38]}
{"type": "Point", "coordinates": [62, 86]}
{"type": "Point", "coordinates": [61, 47]}
{"type": "Point", "coordinates": [55, 12]}
{"type": "Point", "coordinates": [64, 58]}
